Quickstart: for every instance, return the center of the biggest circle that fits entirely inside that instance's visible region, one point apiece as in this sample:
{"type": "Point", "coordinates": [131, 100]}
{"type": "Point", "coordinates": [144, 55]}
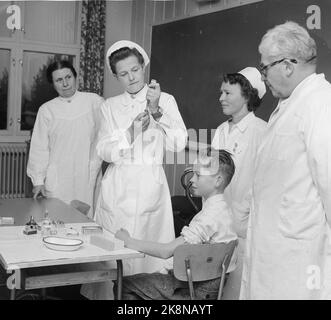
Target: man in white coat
{"type": "Point", "coordinates": [289, 227]}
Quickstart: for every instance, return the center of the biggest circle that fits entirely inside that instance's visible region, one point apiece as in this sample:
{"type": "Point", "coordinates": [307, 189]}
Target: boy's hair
{"type": "Point", "coordinates": [219, 160]}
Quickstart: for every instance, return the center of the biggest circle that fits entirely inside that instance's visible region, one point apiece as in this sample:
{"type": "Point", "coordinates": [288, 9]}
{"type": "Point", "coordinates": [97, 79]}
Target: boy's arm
{"type": "Point", "coordinates": [155, 249]}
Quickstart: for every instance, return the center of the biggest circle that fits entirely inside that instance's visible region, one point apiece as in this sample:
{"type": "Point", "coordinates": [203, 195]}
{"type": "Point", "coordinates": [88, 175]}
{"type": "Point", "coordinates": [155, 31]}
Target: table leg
{"type": "Point", "coordinates": [14, 282]}
{"type": "Point", "coordinates": [119, 279]}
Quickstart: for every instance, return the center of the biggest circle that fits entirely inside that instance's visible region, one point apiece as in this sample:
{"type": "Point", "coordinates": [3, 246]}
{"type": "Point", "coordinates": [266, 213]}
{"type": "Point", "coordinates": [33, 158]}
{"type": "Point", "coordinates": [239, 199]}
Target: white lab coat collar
{"type": "Point", "coordinates": [243, 124]}
{"type": "Point", "coordinates": [140, 96]}
{"type": "Point", "coordinates": [70, 99]}
{"type": "Point", "coordinates": [295, 93]}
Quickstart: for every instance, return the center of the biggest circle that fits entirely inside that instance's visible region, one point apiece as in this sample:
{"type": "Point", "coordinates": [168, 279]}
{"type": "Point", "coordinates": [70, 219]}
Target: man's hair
{"type": "Point", "coordinates": [219, 160]}
{"type": "Point", "coordinates": [122, 54]}
{"type": "Point", "coordinates": [57, 65]}
{"type": "Point", "coordinates": [289, 40]}
{"type": "Point", "coordinates": [247, 91]}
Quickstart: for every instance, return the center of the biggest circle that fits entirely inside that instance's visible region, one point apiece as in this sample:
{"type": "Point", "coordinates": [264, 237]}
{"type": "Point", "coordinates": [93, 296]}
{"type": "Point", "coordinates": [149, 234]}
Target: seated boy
{"type": "Point", "coordinates": [212, 173]}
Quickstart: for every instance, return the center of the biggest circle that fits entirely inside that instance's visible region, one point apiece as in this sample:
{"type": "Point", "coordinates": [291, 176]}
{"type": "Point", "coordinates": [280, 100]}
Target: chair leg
{"type": "Point", "coordinates": [220, 289]}
{"type": "Point", "coordinates": [189, 278]}
{"type": "Point", "coordinates": [43, 293]}
{"type": "Point", "coordinates": [119, 279]}
{"type": "Point", "coordinates": [12, 294]}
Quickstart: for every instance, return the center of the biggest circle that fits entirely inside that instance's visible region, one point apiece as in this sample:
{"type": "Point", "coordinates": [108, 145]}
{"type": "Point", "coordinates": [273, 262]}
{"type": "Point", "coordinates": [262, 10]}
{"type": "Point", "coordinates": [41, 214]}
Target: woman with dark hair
{"type": "Point", "coordinates": [63, 162]}
{"type": "Point", "coordinates": [137, 126]}
{"type": "Point", "coordinates": [241, 94]}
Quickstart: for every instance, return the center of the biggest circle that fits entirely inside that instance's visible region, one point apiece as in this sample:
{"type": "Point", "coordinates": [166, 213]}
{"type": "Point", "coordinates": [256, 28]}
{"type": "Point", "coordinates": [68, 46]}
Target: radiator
{"type": "Point", "coordinates": [13, 159]}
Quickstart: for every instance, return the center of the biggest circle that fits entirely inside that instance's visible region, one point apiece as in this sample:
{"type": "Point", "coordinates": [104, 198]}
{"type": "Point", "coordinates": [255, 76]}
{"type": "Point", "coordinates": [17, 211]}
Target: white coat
{"type": "Point", "coordinates": [134, 192]}
{"type": "Point", "coordinates": [62, 153]}
{"type": "Point", "coordinates": [289, 225]}
{"type": "Point", "coordinates": [242, 142]}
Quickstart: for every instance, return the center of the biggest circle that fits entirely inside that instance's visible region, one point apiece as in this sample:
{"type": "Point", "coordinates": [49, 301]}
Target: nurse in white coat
{"type": "Point", "coordinates": [137, 126]}
{"type": "Point", "coordinates": [288, 249]}
{"type": "Point", "coordinates": [241, 95]}
{"type": "Point", "coordinates": [63, 162]}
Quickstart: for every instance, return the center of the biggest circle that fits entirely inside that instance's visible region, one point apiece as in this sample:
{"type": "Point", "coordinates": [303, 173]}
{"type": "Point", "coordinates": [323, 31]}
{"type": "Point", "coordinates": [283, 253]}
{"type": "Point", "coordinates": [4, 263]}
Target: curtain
{"type": "Point", "coordinates": [92, 48]}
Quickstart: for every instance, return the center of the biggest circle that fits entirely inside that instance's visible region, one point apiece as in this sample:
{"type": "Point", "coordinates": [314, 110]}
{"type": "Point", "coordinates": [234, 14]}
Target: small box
{"type": "Point", "coordinates": [30, 229]}
{"type": "Point", "coordinates": [6, 220]}
{"type": "Point", "coordinates": [91, 229]}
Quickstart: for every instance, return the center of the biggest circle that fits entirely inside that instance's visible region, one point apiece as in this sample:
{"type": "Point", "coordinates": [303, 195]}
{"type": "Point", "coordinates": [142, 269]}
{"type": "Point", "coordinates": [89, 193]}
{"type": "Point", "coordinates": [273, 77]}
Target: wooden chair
{"type": "Point", "coordinates": [201, 262]}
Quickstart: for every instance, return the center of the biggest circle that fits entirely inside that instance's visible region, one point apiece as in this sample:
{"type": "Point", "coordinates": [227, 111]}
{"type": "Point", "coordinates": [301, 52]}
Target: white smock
{"type": "Point", "coordinates": [242, 142]}
{"type": "Point", "coordinates": [134, 191]}
{"type": "Point", "coordinates": [62, 153]}
{"type": "Point", "coordinates": [288, 249]}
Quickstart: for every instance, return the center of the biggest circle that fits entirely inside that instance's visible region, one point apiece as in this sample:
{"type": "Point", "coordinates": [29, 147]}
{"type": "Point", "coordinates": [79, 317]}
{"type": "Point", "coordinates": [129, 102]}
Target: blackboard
{"type": "Point", "coordinates": [189, 56]}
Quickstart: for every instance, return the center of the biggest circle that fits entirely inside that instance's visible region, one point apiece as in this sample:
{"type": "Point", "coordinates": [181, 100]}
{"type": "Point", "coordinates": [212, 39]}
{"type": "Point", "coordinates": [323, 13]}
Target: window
{"type": "Point", "coordinates": [48, 29]}
{"type": "Point", "coordinates": [4, 80]}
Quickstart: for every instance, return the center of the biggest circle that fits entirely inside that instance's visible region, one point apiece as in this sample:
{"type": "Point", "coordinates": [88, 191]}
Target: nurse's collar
{"type": "Point", "coordinates": [134, 95]}
{"type": "Point", "coordinates": [69, 99]}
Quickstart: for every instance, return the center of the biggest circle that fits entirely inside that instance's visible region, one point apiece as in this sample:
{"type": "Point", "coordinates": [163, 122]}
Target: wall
{"type": "Point", "coordinates": [145, 14]}
{"type": "Point", "coordinates": [118, 27]}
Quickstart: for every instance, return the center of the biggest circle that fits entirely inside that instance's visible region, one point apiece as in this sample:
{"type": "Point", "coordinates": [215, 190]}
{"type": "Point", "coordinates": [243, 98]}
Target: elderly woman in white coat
{"type": "Point", "coordinates": [136, 128]}
{"type": "Point", "coordinates": [63, 162]}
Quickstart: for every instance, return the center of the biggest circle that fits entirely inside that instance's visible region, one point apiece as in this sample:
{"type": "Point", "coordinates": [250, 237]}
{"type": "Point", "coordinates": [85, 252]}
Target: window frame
{"type": "Point", "coordinates": [17, 46]}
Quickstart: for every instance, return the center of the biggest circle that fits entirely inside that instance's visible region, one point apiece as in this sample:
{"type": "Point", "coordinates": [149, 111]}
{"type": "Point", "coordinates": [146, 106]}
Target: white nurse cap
{"type": "Point", "coordinates": [254, 77]}
{"type": "Point", "coordinates": [126, 43]}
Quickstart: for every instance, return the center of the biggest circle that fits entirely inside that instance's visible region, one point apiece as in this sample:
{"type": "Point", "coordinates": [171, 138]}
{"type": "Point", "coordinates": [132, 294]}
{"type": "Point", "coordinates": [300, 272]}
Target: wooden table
{"type": "Point", "coordinates": [33, 266]}
{"type": "Point", "coordinates": [23, 209]}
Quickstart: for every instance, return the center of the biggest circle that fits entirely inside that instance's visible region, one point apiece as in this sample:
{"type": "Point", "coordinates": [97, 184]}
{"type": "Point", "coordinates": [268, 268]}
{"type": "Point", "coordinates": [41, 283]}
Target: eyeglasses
{"type": "Point", "coordinates": [264, 68]}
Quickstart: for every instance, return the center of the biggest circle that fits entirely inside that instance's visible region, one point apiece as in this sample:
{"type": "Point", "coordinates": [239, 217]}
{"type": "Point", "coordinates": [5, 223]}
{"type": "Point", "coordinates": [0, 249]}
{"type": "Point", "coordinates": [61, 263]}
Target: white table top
{"type": "Point", "coordinates": [18, 251]}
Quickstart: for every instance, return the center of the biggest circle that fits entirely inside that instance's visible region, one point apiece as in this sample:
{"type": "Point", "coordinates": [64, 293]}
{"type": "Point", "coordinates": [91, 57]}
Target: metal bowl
{"type": "Point", "coordinates": [62, 244]}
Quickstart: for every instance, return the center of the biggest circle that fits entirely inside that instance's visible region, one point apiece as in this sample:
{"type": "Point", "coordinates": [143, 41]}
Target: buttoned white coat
{"type": "Point", "coordinates": [288, 247]}
{"type": "Point", "coordinates": [134, 191]}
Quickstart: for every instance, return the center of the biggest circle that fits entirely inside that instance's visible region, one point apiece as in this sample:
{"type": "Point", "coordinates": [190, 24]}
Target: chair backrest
{"type": "Point", "coordinates": [205, 260]}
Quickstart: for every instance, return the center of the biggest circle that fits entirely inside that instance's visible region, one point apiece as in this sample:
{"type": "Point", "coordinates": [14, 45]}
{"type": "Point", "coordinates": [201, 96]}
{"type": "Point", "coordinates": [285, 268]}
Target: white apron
{"type": "Point", "coordinates": [134, 192]}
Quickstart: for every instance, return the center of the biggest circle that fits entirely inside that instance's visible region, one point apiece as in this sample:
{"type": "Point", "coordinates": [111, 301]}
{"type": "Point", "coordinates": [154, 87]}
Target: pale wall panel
{"type": "Point", "coordinates": [118, 27]}
{"type": "Point", "coordinates": [140, 21]}
{"type": "Point", "coordinates": [149, 16]}
{"type": "Point", "coordinates": [169, 10]}
{"type": "Point", "coordinates": [134, 18]}
{"type": "Point", "coordinates": [180, 8]}
{"type": "Point", "coordinates": [158, 11]}
{"type": "Point", "coordinates": [192, 7]}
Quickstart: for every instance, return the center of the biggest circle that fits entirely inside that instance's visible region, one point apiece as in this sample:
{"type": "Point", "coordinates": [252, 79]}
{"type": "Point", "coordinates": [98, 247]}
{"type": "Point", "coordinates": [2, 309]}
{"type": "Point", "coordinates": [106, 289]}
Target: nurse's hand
{"type": "Point", "coordinates": [139, 125]}
{"type": "Point", "coordinates": [153, 96]}
{"type": "Point", "coordinates": [39, 190]}
{"type": "Point", "coordinates": [122, 234]}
